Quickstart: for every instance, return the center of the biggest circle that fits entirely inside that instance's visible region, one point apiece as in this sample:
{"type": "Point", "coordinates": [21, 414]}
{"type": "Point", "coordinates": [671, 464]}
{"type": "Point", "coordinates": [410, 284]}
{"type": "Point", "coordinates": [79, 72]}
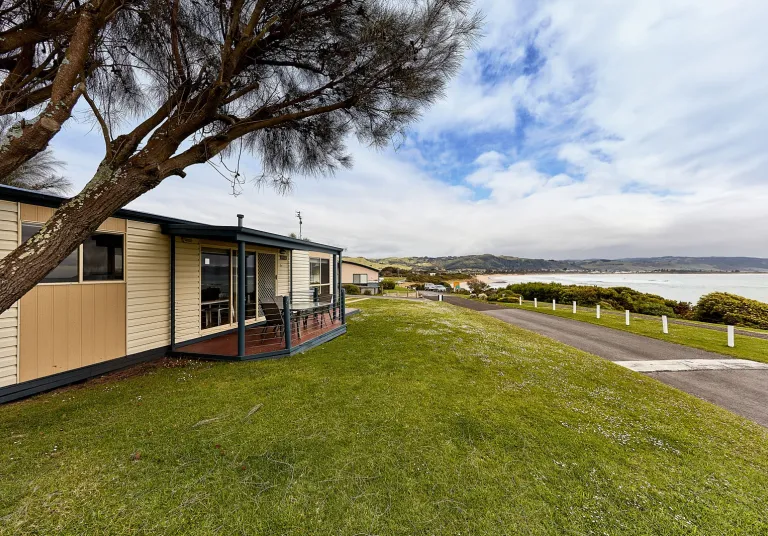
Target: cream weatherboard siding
{"type": "Point", "coordinates": [9, 320]}
{"type": "Point", "coordinates": [300, 272]}
{"type": "Point", "coordinates": [148, 280]}
{"type": "Point", "coordinates": [283, 274]}
{"type": "Point", "coordinates": [187, 289]}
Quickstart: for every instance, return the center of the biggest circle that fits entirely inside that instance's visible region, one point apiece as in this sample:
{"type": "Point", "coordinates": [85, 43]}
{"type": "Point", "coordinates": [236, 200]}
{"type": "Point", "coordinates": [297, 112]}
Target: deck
{"type": "Point", "coordinates": [263, 342]}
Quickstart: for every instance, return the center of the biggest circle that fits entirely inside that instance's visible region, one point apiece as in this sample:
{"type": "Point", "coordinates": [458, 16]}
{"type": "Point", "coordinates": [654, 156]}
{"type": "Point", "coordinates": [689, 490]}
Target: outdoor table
{"type": "Point", "coordinates": [209, 310]}
{"type": "Point", "coordinates": [302, 310]}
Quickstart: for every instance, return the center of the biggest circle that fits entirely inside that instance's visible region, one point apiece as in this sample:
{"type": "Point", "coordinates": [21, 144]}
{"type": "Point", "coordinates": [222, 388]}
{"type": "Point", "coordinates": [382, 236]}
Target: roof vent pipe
{"type": "Point", "coordinates": [240, 220]}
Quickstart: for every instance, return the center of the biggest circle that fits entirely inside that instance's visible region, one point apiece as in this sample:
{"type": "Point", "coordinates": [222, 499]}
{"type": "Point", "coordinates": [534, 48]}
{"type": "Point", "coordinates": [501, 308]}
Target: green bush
{"type": "Point", "coordinates": [388, 285]}
{"type": "Point", "coordinates": [724, 308]}
{"type": "Point", "coordinates": [352, 290]}
{"type": "Point", "coordinates": [620, 298]}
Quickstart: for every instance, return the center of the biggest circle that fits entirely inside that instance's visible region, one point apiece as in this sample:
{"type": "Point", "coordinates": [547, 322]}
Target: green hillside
{"type": "Point", "coordinates": [503, 263]}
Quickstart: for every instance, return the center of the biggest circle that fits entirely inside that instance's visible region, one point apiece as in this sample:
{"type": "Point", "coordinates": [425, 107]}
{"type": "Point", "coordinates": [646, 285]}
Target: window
{"type": "Point", "coordinates": [103, 257]}
{"type": "Point", "coordinates": [360, 279]}
{"type": "Point", "coordinates": [320, 275]}
{"type": "Point", "coordinates": [67, 271]}
{"type": "Point", "coordinates": [215, 288]}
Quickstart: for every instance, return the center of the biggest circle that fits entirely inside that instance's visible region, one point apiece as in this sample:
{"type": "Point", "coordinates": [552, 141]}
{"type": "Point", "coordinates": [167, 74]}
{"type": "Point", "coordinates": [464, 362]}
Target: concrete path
{"type": "Point", "coordinates": [688, 365]}
{"type": "Point", "coordinates": [740, 386]}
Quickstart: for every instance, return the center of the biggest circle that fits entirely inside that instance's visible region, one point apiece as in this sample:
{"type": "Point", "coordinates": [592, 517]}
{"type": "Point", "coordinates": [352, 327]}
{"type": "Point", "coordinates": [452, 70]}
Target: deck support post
{"type": "Point", "coordinates": [287, 321]}
{"type": "Point", "coordinates": [343, 306]}
{"type": "Point", "coordinates": [241, 277]}
{"type": "Point", "coordinates": [173, 293]}
{"type": "Point", "coordinates": [335, 298]}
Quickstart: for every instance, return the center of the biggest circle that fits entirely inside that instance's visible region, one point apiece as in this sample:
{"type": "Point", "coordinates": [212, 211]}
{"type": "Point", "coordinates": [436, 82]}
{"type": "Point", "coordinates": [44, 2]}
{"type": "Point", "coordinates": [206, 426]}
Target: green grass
{"type": "Point", "coordinates": [424, 419]}
{"type": "Point", "coordinates": [746, 347]}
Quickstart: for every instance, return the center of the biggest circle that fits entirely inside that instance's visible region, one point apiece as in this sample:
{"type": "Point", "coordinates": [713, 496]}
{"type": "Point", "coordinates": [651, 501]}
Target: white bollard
{"type": "Point", "coordinates": [439, 297]}
{"type": "Point", "coordinates": [554, 305]}
{"type": "Point", "coordinates": [665, 325]}
{"type": "Point", "coordinates": [598, 311]}
{"type": "Point", "coordinates": [731, 336]}
{"type": "Point", "coordinates": [574, 307]}
{"type": "Point", "coordinates": [627, 316]}
{"type": "Point", "coordinates": [520, 298]}
{"type": "Point", "coordinates": [535, 302]}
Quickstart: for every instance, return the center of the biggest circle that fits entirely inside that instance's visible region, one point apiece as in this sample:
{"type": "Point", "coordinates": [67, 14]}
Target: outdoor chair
{"type": "Point", "coordinates": [326, 309]}
{"type": "Point", "coordinates": [273, 314]}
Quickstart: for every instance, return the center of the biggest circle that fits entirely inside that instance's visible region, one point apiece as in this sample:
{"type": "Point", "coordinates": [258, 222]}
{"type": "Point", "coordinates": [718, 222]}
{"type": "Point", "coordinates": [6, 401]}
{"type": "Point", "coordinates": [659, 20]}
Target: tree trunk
{"type": "Point", "coordinates": [70, 225]}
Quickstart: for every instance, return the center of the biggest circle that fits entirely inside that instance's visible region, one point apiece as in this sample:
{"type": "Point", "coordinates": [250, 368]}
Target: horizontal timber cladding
{"type": "Point", "coordinates": [34, 213]}
{"type": "Point", "coordinates": [148, 287]}
{"type": "Point", "coordinates": [283, 273]}
{"type": "Point", "coordinates": [300, 272]}
{"type": "Point", "coordinates": [187, 280]}
{"type": "Point", "coordinates": [9, 320]}
{"type": "Point", "coordinates": [64, 327]}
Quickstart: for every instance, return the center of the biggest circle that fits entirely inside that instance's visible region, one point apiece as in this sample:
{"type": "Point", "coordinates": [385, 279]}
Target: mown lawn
{"type": "Point", "coordinates": [424, 419]}
{"type": "Point", "coordinates": [746, 347]}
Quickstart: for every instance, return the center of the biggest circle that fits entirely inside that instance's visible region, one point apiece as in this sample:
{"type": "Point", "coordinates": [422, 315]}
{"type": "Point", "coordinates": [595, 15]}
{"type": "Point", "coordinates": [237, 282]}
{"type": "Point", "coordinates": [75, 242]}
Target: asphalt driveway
{"type": "Point", "coordinates": [737, 385]}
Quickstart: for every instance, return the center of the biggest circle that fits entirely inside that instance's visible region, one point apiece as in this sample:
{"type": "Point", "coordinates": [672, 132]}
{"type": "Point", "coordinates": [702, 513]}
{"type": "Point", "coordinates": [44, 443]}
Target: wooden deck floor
{"type": "Point", "coordinates": [257, 341]}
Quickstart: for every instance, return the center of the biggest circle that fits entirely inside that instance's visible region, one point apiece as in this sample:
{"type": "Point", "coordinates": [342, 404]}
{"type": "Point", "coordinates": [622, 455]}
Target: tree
{"type": "Point", "coordinates": [288, 80]}
{"type": "Point", "coordinates": [52, 52]}
{"type": "Point", "coordinates": [477, 286]}
{"type": "Point", "coordinates": [39, 173]}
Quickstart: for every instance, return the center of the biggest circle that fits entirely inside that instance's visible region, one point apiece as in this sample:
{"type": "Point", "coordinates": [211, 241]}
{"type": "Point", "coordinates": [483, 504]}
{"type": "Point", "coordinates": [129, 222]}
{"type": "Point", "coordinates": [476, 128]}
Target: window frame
{"type": "Point", "coordinates": [359, 276]}
{"type": "Point", "coordinates": [322, 284]}
{"type": "Point", "coordinates": [82, 260]}
{"type": "Point", "coordinates": [79, 250]}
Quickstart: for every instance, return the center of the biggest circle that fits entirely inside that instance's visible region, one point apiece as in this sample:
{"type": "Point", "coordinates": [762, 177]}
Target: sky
{"type": "Point", "coordinates": [589, 129]}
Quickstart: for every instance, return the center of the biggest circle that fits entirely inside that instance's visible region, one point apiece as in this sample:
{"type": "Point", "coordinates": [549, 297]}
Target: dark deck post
{"type": "Point", "coordinates": [173, 292]}
{"type": "Point", "coordinates": [241, 276]}
{"type": "Point", "coordinates": [343, 306]}
{"type": "Point", "coordinates": [335, 298]}
{"type": "Point", "coordinates": [287, 321]}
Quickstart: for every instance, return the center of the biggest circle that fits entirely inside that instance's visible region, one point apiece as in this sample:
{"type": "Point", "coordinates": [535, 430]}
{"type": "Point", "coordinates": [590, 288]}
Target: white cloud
{"type": "Point", "coordinates": [638, 98]}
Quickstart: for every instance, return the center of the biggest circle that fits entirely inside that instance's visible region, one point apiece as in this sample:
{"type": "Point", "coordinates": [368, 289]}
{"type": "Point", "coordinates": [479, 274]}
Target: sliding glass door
{"type": "Point", "coordinates": [215, 290]}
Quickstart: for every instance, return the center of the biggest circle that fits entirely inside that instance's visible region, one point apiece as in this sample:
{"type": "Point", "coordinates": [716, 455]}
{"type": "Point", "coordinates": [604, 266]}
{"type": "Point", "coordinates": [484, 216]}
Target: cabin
{"type": "Point", "coordinates": [365, 277]}
{"type": "Point", "coordinates": [145, 286]}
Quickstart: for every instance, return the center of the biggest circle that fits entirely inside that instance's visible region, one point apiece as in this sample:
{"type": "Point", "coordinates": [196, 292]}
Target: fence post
{"type": "Point", "coordinates": [535, 302]}
{"type": "Point", "coordinates": [626, 314]}
{"type": "Point", "coordinates": [731, 336]}
{"type": "Point", "coordinates": [598, 311]}
{"type": "Point", "coordinates": [520, 299]}
{"type": "Point", "coordinates": [574, 307]}
{"type": "Point", "coordinates": [554, 305]}
{"type": "Point", "coordinates": [287, 321]}
{"type": "Point", "coordinates": [665, 325]}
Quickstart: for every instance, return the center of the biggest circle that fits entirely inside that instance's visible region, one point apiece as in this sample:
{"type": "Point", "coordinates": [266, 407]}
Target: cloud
{"type": "Point", "coordinates": [576, 129]}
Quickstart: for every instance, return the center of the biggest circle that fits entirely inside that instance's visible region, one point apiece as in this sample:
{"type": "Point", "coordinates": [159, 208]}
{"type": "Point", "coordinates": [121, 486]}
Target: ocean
{"type": "Point", "coordinates": [681, 287]}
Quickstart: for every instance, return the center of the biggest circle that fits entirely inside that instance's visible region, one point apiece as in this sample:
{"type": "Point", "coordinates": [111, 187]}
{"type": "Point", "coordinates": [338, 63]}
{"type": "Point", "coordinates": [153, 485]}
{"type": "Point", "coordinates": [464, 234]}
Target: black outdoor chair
{"type": "Point", "coordinates": [274, 319]}
{"type": "Point", "coordinates": [326, 309]}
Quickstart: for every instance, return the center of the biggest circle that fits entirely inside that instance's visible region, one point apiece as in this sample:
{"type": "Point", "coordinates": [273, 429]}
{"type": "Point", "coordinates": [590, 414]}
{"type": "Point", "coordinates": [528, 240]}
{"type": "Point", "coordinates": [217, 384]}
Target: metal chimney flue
{"type": "Point", "coordinates": [240, 220]}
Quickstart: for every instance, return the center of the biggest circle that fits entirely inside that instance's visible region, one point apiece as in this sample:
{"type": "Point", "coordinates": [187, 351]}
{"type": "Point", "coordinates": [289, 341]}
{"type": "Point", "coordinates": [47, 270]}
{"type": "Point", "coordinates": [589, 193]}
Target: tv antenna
{"type": "Point", "coordinates": [298, 215]}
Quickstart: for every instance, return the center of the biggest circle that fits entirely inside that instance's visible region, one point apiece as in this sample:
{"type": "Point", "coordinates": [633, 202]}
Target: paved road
{"type": "Point", "coordinates": [744, 392]}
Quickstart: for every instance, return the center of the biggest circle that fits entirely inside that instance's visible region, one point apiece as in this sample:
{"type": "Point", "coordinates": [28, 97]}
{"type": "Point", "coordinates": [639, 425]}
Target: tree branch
{"type": "Point", "coordinates": [102, 123]}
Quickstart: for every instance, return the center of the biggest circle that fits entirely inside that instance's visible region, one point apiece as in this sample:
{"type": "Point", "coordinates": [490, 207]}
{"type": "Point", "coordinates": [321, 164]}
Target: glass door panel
{"type": "Point", "coordinates": [215, 279]}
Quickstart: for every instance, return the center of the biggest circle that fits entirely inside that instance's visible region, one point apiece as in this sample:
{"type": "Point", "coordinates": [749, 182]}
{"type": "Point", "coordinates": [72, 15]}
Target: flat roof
{"type": "Point", "coordinates": [176, 226]}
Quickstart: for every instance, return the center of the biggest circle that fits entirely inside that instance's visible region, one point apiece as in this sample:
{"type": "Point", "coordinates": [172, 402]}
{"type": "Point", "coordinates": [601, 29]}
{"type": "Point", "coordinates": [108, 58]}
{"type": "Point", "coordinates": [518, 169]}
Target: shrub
{"type": "Point", "coordinates": [388, 285]}
{"type": "Point", "coordinates": [724, 308]}
{"type": "Point", "coordinates": [352, 290]}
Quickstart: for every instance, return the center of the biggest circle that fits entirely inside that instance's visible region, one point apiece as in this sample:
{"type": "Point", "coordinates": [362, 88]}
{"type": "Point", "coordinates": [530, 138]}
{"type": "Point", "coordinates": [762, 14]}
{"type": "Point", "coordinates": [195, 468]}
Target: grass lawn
{"type": "Point", "coordinates": [424, 419]}
{"type": "Point", "coordinates": [688, 335]}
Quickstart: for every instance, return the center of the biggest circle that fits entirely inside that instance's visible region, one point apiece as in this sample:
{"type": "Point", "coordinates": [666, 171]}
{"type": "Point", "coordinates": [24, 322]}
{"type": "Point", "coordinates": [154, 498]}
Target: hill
{"type": "Point", "coordinates": [503, 263]}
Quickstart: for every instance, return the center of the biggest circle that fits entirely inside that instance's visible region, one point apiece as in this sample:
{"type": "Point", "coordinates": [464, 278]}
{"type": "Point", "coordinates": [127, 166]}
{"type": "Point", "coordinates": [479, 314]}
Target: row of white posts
{"type": "Point", "coordinates": [664, 320]}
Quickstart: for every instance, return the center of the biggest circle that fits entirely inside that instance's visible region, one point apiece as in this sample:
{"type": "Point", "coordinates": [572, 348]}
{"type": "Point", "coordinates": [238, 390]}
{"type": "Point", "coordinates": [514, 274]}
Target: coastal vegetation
{"type": "Point", "coordinates": [713, 308]}
{"type": "Point", "coordinates": [724, 308]}
{"type": "Point", "coordinates": [486, 429]}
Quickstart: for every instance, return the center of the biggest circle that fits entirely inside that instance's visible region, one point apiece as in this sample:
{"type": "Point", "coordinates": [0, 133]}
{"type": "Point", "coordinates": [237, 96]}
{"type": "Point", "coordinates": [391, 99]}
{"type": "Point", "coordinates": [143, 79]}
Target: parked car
{"type": "Point", "coordinates": [439, 288]}
{"type": "Point", "coordinates": [429, 286]}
